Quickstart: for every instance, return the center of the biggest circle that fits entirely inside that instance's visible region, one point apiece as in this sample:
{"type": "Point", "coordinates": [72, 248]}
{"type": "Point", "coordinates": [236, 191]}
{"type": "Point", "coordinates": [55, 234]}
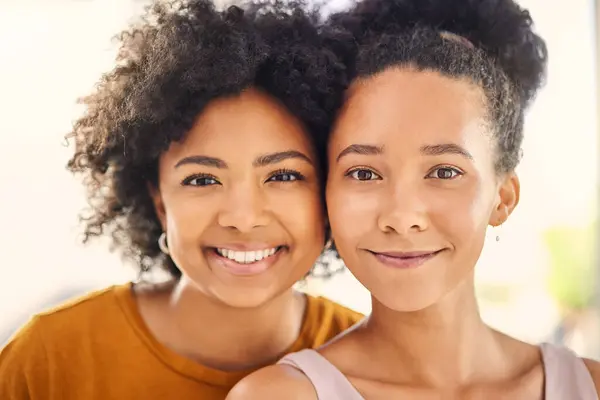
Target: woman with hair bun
{"type": "Point", "coordinates": [421, 161]}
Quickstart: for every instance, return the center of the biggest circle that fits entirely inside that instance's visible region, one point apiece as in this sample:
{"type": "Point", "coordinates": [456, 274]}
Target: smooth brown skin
{"type": "Point", "coordinates": [219, 319]}
{"type": "Point", "coordinates": [425, 338]}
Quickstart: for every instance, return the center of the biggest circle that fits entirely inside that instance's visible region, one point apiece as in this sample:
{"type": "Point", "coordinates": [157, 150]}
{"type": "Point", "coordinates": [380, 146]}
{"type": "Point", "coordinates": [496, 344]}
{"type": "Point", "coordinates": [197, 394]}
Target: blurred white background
{"type": "Point", "coordinates": [53, 51]}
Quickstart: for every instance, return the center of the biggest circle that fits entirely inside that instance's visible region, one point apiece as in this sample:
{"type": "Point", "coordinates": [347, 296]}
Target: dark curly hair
{"type": "Point", "coordinates": [177, 59]}
{"type": "Point", "coordinates": [501, 53]}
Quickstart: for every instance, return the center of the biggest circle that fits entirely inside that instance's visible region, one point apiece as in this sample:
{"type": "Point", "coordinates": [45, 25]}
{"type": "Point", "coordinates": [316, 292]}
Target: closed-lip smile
{"type": "Point", "coordinates": [404, 259]}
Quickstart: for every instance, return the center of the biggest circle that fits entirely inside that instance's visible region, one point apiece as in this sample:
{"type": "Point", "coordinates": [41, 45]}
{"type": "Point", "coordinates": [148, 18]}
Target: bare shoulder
{"type": "Point", "coordinates": [594, 368]}
{"type": "Point", "coordinates": [274, 382]}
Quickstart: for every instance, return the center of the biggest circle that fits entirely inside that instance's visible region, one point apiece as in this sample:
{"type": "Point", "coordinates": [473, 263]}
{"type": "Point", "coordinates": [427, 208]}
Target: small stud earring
{"type": "Point", "coordinates": [498, 234]}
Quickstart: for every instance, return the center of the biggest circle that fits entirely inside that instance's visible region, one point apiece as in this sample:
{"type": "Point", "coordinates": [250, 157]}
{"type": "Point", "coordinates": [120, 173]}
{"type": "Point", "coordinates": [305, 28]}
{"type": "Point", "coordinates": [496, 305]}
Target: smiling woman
{"type": "Point", "coordinates": [422, 161]}
{"type": "Point", "coordinates": [409, 187]}
{"type": "Point", "coordinates": [203, 154]}
{"type": "Point", "coordinates": [243, 184]}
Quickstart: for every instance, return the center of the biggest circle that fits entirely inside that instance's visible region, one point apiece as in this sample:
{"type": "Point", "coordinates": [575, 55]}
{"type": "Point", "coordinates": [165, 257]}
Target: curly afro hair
{"type": "Point", "coordinates": [490, 43]}
{"type": "Point", "coordinates": [171, 64]}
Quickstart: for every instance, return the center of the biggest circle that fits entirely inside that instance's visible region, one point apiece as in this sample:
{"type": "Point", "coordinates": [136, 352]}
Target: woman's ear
{"type": "Point", "coordinates": [159, 206]}
{"type": "Point", "coordinates": [508, 194]}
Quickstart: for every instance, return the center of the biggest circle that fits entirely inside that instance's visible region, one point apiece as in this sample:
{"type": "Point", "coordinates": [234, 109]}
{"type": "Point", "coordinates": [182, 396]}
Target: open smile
{"type": "Point", "coordinates": [245, 263]}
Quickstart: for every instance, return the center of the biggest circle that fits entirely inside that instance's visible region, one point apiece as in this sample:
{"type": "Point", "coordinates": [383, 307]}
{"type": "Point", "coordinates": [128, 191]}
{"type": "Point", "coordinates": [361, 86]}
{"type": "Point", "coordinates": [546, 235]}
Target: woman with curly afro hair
{"type": "Point", "coordinates": [422, 160]}
{"type": "Point", "coordinates": [203, 156]}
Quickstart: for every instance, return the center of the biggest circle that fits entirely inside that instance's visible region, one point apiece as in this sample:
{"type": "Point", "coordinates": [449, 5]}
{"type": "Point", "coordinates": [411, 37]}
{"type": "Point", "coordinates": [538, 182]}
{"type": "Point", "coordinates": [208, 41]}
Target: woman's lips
{"type": "Point", "coordinates": [404, 260]}
{"type": "Point", "coordinates": [247, 267]}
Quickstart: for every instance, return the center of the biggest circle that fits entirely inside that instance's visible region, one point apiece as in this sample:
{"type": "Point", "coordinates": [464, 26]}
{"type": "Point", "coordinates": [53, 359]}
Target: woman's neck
{"type": "Point", "coordinates": [445, 345]}
{"type": "Point", "coordinates": [222, 337]}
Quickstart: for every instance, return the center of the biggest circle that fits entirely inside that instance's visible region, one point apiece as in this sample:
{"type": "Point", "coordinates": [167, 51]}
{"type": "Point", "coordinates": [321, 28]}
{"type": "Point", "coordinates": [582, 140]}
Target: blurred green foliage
{"type": "Point", "coordinates": [572, 271]}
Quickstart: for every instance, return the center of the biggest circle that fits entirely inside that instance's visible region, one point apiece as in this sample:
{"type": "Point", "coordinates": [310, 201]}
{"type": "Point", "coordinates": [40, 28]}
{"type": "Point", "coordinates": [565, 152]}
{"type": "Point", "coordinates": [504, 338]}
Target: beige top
{"type": "Point", "coordinates": [567, 377]}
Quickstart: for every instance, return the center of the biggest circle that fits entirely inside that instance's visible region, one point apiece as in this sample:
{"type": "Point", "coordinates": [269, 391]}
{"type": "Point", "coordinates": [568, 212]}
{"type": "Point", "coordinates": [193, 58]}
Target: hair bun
{"type": "Point", "coordinates": [501, 28]}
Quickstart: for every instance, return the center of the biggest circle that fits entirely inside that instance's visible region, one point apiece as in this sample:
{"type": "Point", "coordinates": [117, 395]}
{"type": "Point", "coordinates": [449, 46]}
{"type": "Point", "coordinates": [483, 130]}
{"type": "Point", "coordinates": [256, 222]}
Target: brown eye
{"type": "Point", "coordinates": [200, 180]}
{"type": "Point", "coordinates": [444, 173]}
{"type": "Point", "coordinates": [285, 175]}
{"type": "Point", "coordinates": [363, 175]}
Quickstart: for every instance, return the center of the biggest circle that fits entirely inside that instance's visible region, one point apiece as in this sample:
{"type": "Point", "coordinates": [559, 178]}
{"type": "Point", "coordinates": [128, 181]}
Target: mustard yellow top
{"type": "Point", "coordinates": [98, 347]}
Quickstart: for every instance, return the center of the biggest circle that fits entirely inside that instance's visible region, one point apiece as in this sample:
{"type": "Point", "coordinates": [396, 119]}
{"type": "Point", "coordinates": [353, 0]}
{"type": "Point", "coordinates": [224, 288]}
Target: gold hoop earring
{"type": "Point", "coordinates": [162, 243]}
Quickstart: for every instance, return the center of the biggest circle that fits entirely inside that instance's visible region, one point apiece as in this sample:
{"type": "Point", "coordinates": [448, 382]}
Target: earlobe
{"type": "Point", "coordinates": [508, 197]}
{"type": "Point", "coordinates": [159, 206]}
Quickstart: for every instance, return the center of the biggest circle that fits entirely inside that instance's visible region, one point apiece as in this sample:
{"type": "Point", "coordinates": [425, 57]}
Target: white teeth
{"type": "Point", "coordinates": [238, 256]}
{"type": "Point", "coordinates": [246, 257]}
